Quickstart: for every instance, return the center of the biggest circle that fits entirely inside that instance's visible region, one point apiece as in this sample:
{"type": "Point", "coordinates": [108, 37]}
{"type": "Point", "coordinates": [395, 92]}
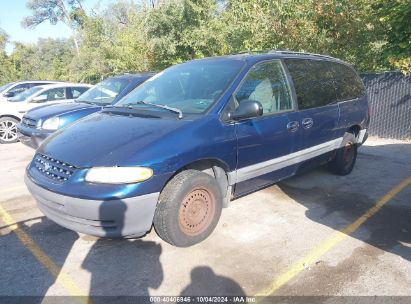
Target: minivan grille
{"type": "Point", "coordinates": [29, 122]}
{"type": "Point", "coordinates": [52, 168]}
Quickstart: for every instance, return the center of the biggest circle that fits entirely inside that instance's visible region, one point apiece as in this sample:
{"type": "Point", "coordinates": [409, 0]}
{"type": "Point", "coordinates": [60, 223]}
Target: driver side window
{"type": "Point", "coordinates": [266, 83]}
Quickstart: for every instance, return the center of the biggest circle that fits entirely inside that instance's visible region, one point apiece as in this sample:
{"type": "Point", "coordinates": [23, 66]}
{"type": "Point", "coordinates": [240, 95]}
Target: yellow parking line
{"type": "Point", "coordinates": [329, 243]}
{"type": "Point", "coordinates": [12, 189]}
{"type": "Point", "coordinates": [62, 278]}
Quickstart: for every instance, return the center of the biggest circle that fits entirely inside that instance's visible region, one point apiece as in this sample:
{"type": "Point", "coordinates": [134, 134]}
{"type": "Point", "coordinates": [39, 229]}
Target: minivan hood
{"type": "Point", "coordinates": [104, 139]}
{"type": "Point", "coordinates": [47, 111]}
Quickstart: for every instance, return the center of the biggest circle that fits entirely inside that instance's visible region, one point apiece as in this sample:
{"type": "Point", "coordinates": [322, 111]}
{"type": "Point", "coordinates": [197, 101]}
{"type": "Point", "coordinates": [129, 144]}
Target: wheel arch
{"type": "Point", "coordinates": [354, 129]}
{"type": "Point", "coordinates": [11, 116]}
{"type": "Point", "coordinates": [214, 167]}
{"type": "Point", "coordinates": [352, 134]}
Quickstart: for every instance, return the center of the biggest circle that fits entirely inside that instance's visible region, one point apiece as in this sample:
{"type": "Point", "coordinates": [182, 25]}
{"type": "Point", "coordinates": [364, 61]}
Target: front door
{"type": "Point", "coordinates": [266, 142]}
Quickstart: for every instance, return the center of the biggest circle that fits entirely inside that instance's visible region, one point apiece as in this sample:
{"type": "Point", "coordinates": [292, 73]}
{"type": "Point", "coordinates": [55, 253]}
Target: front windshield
{"type": "Point", "coordinates": [5, 86]}
{"type": "Point", "coordinates": [104, 92]}
{"type": "Point", "coordinates": [25, 94]}
{"type": "Point", "coordinates": [191, 87]}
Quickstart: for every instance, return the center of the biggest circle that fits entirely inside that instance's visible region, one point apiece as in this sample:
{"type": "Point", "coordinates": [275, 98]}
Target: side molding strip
{"type": "Point", "coordinates": [281, 162]}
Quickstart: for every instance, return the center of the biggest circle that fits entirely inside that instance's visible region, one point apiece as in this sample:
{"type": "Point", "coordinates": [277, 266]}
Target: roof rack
{"type": "Point", "coordinates": [250, 52]}
{"type": "Point", "coordinates": [300, 53]}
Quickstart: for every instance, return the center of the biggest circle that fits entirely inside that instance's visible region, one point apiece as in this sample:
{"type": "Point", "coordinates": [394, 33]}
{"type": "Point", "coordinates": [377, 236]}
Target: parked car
{"type": "Point", "coordinates": [37, 124]}
{"type": "Point", "coordinates": [179, 147]}
{"type": "Point", "coordinates": [12, 111]}
{"type": "Point", "coordinates": [13, 88]}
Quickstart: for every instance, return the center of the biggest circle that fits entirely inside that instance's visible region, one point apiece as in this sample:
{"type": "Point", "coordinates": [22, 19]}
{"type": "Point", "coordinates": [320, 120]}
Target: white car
{"type": "Point", "coordinates": [13, 110]}
{"type": "Point", "coordinates": [13, 88]}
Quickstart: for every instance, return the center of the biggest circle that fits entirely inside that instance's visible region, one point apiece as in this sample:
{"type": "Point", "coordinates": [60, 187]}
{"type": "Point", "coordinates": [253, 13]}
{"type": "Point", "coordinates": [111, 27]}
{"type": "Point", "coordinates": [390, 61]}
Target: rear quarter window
{"type": "Point", "coordinates": [348, 84]}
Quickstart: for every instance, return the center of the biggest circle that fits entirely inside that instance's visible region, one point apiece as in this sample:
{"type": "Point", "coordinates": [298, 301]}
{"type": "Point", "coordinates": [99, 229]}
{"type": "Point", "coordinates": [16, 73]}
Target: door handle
{"type": "Point", "coordinates": [307, 123]}
{"type": "Point", "coordinates": [292, 126]}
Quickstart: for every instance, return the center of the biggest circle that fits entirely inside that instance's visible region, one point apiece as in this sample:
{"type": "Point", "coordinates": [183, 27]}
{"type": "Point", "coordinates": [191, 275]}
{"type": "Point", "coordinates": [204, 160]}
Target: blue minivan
{"type": "Point", "coordinates": [179, 147]}
{"type": "Point", "coordinates": [40, 122]}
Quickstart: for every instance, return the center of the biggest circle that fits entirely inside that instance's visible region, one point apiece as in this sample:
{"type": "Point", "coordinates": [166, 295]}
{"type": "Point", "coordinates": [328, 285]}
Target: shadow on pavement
{"type": "Point", "coordinates": [204, 282]}
{"type": "Point", "coordinates": [21, 273]}
{"type": "Point", "coordinates": [390, 228]}
{"type": "Point", "coordinates": [120, 267]}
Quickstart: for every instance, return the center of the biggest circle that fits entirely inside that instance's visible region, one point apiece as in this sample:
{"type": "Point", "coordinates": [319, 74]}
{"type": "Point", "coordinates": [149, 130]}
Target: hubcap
{"type": "Point", "coordinates": [8, 130]}
{"type": "Point", "coordinates": [197, 211]}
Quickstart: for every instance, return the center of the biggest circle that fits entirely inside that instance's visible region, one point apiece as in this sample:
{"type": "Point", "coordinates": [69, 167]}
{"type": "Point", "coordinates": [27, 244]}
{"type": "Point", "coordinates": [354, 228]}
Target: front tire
{"type": "Point", "coordinates": [8, 130]}
{"type": "Point", "coordinates": [344, 159]}
{"type": "Point", "coordinates": [188, 209]}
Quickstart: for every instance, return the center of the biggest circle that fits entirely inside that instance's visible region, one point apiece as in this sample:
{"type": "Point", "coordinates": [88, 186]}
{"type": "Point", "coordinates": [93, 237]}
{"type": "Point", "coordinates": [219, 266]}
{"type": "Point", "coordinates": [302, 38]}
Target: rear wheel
{"type": "Point", "coordinates": [189, 208]}
{"type": "Point", "coordinates": [344, 160]}
{"type": "Point", "coordinates": [8, 130]}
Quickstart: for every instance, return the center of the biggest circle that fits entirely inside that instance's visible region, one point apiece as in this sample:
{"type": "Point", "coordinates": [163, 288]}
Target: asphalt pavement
{"type": "Point", "coordinates": [315, 234]}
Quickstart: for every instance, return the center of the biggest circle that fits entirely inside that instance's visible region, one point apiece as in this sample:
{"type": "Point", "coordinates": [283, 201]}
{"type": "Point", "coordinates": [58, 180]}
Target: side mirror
{"type": "Point", "coordinates": [40, 98]}
{"type": "Point", "coordinates": [247, 109]}
{"type": "Point", "coordinates": [9, 94]}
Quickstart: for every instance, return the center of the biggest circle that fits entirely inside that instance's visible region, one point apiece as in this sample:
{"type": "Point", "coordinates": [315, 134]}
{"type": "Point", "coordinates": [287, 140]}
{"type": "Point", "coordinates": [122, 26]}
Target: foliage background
{"type": "Point", "coordinates": [132, 36]}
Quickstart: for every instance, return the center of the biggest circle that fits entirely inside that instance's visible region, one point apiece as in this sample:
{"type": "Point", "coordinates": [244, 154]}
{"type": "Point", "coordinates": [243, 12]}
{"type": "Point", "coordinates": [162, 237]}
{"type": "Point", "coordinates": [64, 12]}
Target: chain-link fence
{"type": "Point", "coordinates": [389, 96]}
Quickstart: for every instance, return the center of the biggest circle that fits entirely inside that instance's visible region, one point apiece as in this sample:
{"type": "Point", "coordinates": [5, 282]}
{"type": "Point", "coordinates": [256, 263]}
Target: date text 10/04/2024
{"type": "Point", "coordinates": [203, 299]}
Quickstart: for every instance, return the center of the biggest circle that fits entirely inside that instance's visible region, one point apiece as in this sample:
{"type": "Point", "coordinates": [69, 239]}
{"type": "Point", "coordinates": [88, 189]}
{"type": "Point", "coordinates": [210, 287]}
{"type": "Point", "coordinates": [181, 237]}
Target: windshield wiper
{"type": "Point", "coordinates": [171, 109]}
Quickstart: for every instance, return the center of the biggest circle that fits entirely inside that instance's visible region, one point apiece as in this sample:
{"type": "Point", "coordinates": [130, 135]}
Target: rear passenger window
{"type": "Point", "coordinates": [348, 83]}
{"type": "Point", "coordinates": [76, 92]}
{"type": "Point", "coordinates": [266, 82]}
{"type": "Point", "coordinates": [55, 94]}
{"type": "Point", "coordinates": [313, 81]}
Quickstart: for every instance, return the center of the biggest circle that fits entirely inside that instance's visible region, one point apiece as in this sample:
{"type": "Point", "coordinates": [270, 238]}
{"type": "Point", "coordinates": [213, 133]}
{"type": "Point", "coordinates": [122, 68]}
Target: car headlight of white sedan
{"type": "Point", "coordinates": [118, 175]}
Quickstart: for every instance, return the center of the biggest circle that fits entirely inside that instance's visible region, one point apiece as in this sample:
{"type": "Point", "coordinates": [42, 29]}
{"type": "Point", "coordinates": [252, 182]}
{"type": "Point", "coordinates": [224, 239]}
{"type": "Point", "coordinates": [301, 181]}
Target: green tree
{"type": "Point", "coordinates": [179, 31]}
{"type": "Point", "coordinates": [113, 41]}
{"type": "Point", "coordinates": [132, 36]}
{"type": "Point", "coordinates": [69, 12]}
{"type": "Point", "coordinates": [340, 28]}
{"type": "Point", "coordinates": [47, 59]}
{"type": "Point", "coordinates": [5, 67]}
{"type": "Point", "coordinates": [393, 17]}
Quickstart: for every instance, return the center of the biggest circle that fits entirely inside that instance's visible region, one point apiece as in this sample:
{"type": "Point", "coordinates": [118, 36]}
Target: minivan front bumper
{"type": "Point", "coordinates": [130, 217]}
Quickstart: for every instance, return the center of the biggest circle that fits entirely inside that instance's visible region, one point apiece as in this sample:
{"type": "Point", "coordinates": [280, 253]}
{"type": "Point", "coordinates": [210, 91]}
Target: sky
{"type": "Point", "coordinates": [12, 13]}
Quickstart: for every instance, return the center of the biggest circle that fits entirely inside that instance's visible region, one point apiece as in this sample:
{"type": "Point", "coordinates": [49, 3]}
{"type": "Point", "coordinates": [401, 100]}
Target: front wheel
{"type": "Point", "coordinates": [344, 159]}
{"type": "Point", "coordinates": [8, 130]}
{"type": "Point", "coordinates": [188, 209]}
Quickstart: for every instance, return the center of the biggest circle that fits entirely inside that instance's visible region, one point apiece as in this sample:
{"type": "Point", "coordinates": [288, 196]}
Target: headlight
{"type": "Point", "coordinates": [51, 123]}
{"type": "Point", "coordinates": [118, 175]}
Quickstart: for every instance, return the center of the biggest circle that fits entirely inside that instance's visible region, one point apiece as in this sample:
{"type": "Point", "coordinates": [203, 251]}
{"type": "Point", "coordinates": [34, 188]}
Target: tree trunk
{"type": "Point", "coordinates": [69, 22]}
{"type": "Point", "coordinates": [76, 43]}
